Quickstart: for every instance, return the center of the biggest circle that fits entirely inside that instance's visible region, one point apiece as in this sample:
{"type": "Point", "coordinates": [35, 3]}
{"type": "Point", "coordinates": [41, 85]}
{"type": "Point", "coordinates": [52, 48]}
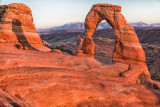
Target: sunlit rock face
{"type": "Point", "coordinates": [127, 44]}
{"type": "Point", "coordinates": [16, 25]}
{"type": "Point", "coordinates": [127, 49]}
{"type": "Point", "coordinates": [30, 78]}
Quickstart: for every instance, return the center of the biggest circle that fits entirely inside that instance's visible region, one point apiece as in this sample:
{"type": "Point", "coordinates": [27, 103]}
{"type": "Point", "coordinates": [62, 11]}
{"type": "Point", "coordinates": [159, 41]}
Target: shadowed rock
{"type": "Point", "coordinates": [79, 43]}
{"type": "Point", "coordinates": [43, 79]}
{"type": "Point", "coordinates": [16, 25]}
{"type": "Point", "coordinates": [17, 29]}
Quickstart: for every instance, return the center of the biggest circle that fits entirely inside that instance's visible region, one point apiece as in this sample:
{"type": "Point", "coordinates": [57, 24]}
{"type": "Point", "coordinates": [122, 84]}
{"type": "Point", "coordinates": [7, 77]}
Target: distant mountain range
{"type": "Point", "coordinates": [102, 25]}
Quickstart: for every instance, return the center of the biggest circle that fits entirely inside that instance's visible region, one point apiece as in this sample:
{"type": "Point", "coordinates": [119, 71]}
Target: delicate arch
{"type": "Point", "coordinates": [127, 46]}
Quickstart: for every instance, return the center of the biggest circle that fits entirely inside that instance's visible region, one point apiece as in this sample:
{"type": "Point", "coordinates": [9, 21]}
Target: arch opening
{"type": "Point", "coordinates": [93, 19]}
{"type": "Point", "coordinates": [104, 43]}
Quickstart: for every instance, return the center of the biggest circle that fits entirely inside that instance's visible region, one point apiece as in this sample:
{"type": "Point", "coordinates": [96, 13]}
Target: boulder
{"type": "Point", "coordinates": [19, 46]}
{"type": "Point", "coordinates": [56, 51]}
{"type": "Point", "coordinates": [81, 54]}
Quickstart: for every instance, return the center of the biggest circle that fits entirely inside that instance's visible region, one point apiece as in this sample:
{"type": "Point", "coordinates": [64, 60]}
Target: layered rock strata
{"type": "Point", "coordinates": [127, 49]}
{"type": "Point", "coordinates": [31, 78]}
{"type": "Point", "coordinates": [16, 25]}
{"type": "Point", "coordinates": [45, 79]}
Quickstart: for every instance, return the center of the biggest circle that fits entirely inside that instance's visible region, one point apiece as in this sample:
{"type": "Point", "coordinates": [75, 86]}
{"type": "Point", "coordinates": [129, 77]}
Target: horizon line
{"type": "Point", "coordinates": [83, 22]}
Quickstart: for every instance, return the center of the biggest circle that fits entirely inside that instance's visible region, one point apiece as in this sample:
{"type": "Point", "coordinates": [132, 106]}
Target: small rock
{"type": "Point", "coordinates": [56, 51]}
{"type": "Point", "coordinates": [19, 46]}
{"type": "Point", "coordinates": [79, 51]}
{"type": "Point", "coordinates": [26, 48]}
{"type": "Point", "coordinates": [2, 41]}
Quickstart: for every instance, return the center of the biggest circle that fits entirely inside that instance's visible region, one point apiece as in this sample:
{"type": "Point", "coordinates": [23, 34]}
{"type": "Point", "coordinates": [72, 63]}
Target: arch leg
{"type": "Point", "coordinates": [91, 23]}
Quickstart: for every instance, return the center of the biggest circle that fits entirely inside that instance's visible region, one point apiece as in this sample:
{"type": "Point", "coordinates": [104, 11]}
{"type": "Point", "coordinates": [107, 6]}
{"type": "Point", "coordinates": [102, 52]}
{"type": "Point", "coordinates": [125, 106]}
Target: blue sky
{"type": "Point", "coordinates": [51, 13]}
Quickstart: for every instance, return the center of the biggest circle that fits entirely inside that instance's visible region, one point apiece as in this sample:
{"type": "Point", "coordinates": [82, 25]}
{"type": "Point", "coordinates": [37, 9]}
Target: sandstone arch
{"type": "Point", "coordinates": [127, 49]}
{"type": "Point", "coordinates": [22, 14]}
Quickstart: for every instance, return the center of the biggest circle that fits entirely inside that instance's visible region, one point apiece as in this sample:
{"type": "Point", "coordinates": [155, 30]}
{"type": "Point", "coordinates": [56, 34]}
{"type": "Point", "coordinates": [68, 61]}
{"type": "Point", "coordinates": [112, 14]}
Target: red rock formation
{"type": "Point", "coordinates": [19, 46]}
{"type": "Point", "coordinates": [43, 79]}
{"type": "Point", "coordinates": [98, 13]}
{"type": "Point", "coordinates": [79, 43]}
{"type": "Point", "coordinates": [56, 51]}
{"type": "Point", "coordinates": [16, 25]}
{"type": "Point", "coordinates": [90, 43]}
{"type": "Point", "coordinates": [81, 54]}
{"type": "Point", "coordinates": [127, 50]}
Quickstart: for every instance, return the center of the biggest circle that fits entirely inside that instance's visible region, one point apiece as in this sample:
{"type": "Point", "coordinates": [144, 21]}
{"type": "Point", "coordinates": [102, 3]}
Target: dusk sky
{"type": "Point", "coordinates": [51, 13]}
